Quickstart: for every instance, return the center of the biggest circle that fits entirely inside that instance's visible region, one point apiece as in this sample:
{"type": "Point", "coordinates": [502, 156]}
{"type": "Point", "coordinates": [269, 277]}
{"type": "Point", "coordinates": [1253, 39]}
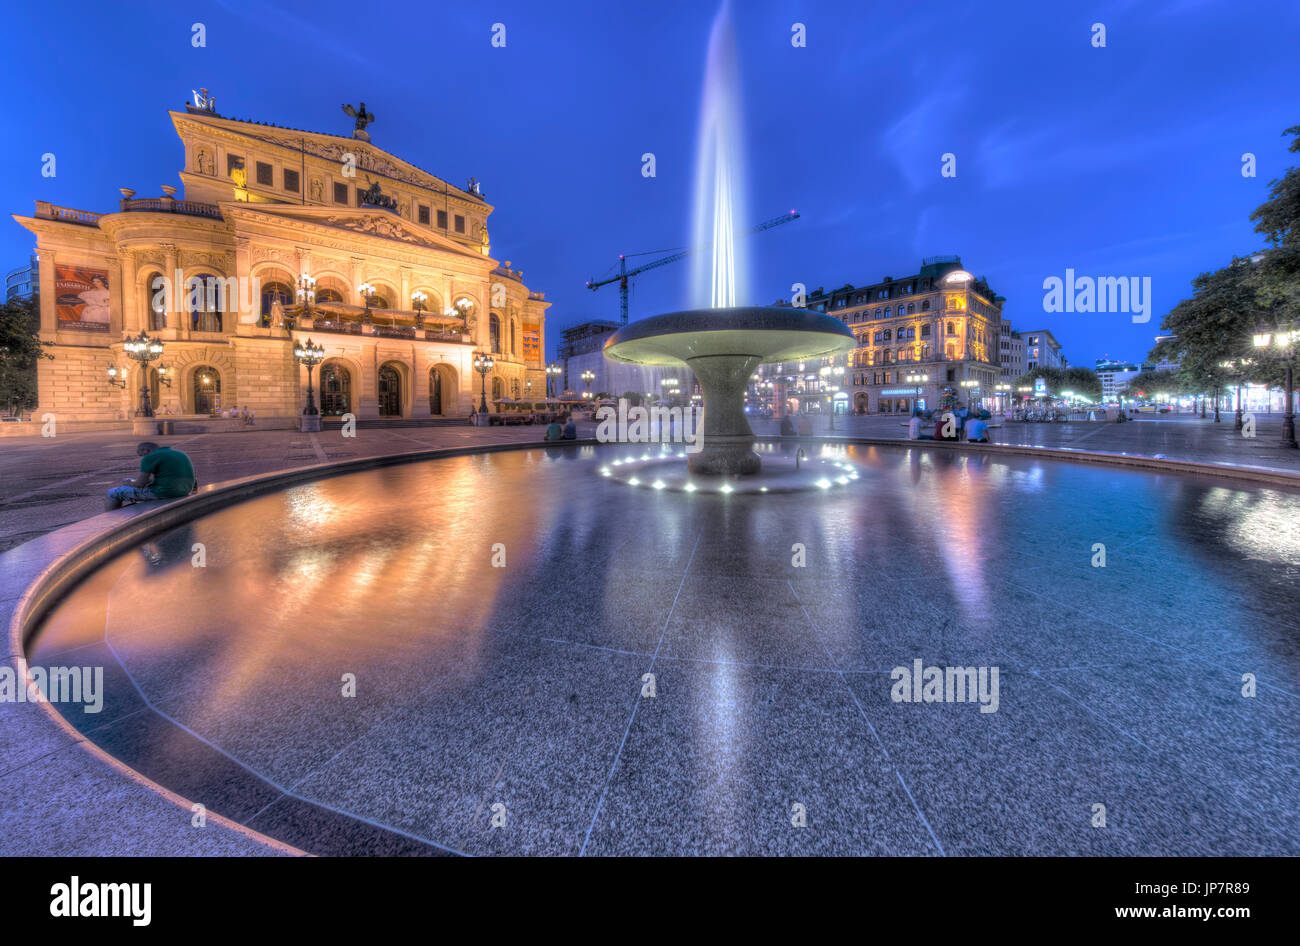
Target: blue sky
{"type": "Point", "coordinates": [1122, 161]}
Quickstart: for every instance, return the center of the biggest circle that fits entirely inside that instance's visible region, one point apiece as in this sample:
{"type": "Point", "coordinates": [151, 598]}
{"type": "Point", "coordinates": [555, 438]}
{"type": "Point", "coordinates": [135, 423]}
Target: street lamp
{"type": "Point", "coordinates": [417, 303]}
{"type": "Point", "coordinates": [483, 364]}
{"type": "Point", "coordinates": [367, 294]}
{"type": "Point", "coordinates": [306, 295]}
{"type": "Point", "coordinates": [1237, 367]}
{"type": "Point", "coordinates": [916, 379]}
{"type": "Point", "coordinates": [552, 371]}
{"type": "Point", "coordinates": [1285, 342]}
{"type": "Point", "coordinates": [309, 355]}
{"type": "Point", "coordinates": [587, 377]}
{"type": "Point", "coordinates": [113, 379]}
{"type": "Point", "coordinates": [144, 349]}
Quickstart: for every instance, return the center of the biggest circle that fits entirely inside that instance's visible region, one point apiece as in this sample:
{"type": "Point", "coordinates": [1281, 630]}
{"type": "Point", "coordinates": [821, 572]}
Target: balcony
{"type": "Point", "coordinates": [47, 211]}
{"type": "Point", "coordinates": [170, 205]}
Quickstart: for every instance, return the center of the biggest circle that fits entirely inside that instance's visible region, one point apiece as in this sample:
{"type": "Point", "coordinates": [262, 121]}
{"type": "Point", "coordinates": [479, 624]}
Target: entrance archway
{"type": "Point", "coordinates": [207, 390]}
{"type": "Point", "coordinates": [390, 392]}
{"type": "Point", "coordinates": [335, 389]}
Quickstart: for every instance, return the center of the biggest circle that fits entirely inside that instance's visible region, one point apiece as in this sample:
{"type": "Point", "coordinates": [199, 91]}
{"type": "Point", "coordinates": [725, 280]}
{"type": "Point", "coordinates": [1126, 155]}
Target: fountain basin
{"type": "Point", "coordinates": [723, 347]}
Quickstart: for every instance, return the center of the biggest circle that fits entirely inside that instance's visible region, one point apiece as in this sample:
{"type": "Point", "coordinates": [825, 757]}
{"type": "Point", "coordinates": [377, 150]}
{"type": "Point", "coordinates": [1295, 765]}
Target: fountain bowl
{"type": "Point", "coordinates": [723, 347]}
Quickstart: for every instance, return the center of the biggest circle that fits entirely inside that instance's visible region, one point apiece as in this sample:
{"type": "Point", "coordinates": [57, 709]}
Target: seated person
{"type": "Point", "coordinates": [553, 431]}
{"type": "Point", "coordinates": [914, 427]}
{"type": "Point", "coordinates": [977, 430]}
{"type": "Point", "coordinates": [787, 426]}
{"type": "Point", "coordinates": [164, 474]}
{"type": "Point", "coordinates": [570, 428]}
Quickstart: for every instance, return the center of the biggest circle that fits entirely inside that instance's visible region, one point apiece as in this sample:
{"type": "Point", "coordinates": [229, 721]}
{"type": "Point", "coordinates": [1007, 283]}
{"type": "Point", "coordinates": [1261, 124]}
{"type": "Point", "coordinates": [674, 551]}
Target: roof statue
{"type": "Point", "coordinates": [363, 118]}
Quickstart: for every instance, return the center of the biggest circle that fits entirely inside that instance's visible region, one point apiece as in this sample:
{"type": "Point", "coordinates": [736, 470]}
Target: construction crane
{"type": "Point", "coordinates": [625, 274]}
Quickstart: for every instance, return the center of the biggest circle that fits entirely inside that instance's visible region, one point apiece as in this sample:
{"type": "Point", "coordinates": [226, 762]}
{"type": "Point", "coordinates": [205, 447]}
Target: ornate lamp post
{"type": "Point", "coordinates": [306, 296]}
{"type": "Point", "coordinates": [587, 378]}
{"type": "Point", "coordinates": [417, 303]}
{"type": "Point", "coordinates": [483, 364]}
{"type": "Point", "coordinates": [1284, 342]}
{"type": "Point", "coordinates": [144, 349]}
{"type": "Point", "coordinates": [309, 355]}
{"type": "Point", "coordinates": [113, 378]}
{"type": "Point", "coordinates": [367, 294]}
{"type": "Point", "coordinates": [552, 371]}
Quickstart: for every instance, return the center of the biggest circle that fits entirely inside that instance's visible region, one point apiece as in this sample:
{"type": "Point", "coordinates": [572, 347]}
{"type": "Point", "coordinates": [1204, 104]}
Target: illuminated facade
{"type": "Point", "coordinates": [941, 323]}
{"type": "Point", "coordinates": [395, 262]}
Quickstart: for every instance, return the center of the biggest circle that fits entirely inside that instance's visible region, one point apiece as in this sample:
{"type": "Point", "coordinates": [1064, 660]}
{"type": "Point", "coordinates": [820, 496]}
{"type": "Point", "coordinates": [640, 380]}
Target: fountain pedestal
{"type": "Point", "coordinates": [723, 347]}
{"type": "Point", "coordinates": [727, 439]}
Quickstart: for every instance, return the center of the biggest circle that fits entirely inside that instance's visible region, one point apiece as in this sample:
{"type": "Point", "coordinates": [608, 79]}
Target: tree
{"type": "Point", "coordinates": [1150, 383]}
{"type": "Point", "coordinates": [1275, 277]}
{"type": "Point", "coordinates": [20, 350]}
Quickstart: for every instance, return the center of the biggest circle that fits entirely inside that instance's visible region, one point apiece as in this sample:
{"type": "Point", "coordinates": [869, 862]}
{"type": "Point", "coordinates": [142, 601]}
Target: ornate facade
{"type": "Point", "coordinates": [941, 324]}
{"type": "Point", "coordinates": [395, 263]}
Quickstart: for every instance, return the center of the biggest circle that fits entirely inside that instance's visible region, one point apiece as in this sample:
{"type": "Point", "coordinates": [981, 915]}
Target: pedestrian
{"type": "Point", "coordinates": [914, 427]}
{"type": "Point", "coordinates": [165, 473]}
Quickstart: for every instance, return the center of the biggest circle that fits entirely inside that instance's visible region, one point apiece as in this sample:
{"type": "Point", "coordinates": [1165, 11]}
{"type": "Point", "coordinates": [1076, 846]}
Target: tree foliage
{"type": "Point", "coordinates": [20, 350]}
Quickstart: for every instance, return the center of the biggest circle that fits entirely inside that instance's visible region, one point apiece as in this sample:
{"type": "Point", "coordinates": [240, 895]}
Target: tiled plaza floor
{"type": "Point", "coordinates": [520, 693]}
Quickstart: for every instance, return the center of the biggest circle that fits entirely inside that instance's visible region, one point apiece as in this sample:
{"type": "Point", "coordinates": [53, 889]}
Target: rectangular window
{"type": "Point", "coordinates": [265, 174]}
{"type": "Point", "coordinates": [442, 220]}
{"type": "Point", "coordinates": [460, 224]}
{"type": "Point", "coordinates": [424, 215]}
{"type": "Point", "coordinates": [925, 331]}
{"type": "Point", "coordinates": [291, 181]}
{"type": "Point", "coordinates": [233, 163]}
{"type": "Point", "coordinates": [340, 193]}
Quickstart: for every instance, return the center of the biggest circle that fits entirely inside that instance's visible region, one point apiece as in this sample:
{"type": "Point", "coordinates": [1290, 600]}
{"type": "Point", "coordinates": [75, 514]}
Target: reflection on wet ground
{"type": "Point", "coordinates": [506, 708]}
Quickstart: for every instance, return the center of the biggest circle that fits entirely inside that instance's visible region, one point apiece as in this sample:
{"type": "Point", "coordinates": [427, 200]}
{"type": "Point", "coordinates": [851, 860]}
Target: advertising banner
{"type": "Point", "coordinates": [81, 298]}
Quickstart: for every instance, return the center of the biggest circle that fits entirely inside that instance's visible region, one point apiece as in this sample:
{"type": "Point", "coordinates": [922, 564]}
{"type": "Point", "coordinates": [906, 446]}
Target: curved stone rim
{"type": "Point", "coordinates": [771, 333]}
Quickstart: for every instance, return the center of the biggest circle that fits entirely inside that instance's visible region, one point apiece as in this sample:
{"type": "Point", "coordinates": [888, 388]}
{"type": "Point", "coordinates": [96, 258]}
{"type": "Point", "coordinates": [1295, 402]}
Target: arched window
{"type": "Point", "coordinates": [272, 293]}
{"type": "Point", "coordinates": [328, 295]}
{"type": "Point", "coordinates": [494, 330]}
{"type": "Point", "coordinates": [498, 389]}
{"type": "Point", "coordinates": [390, 392]}
{"type": "Point", "coordinates": [900, 310]}
{"type": "Point", "coordinates": [925, 305]}
{"type": "Point", "coordinates": [335, 389]}
{"type": "Point", "coordinates": [378, 301]}
{"type": "Point", "coordinates": [207, 390]}
{"type": "Point", "coordinates": [156, 301]}
{"type": "Point", "coordinates": [203, 299]}
{"type": "Point", "coordinates": [155, 389]}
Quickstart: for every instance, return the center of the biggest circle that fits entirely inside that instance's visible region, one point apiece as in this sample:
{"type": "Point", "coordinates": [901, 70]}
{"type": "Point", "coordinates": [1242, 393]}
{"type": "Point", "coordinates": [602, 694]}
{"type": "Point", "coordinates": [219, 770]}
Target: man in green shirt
{"type": "Point", "coordinates": [164, 474]}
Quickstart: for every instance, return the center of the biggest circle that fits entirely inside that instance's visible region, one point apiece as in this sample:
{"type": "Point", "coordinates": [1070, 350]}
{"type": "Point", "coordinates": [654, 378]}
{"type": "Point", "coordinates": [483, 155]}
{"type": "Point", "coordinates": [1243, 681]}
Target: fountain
{"type": "Point", "coordinates": [724, 343]}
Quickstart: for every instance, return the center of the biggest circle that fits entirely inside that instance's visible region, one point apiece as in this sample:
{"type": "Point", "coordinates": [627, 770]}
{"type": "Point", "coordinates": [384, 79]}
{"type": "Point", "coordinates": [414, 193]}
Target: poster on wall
{"type": "Point", "coordinates": [81, 298]}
